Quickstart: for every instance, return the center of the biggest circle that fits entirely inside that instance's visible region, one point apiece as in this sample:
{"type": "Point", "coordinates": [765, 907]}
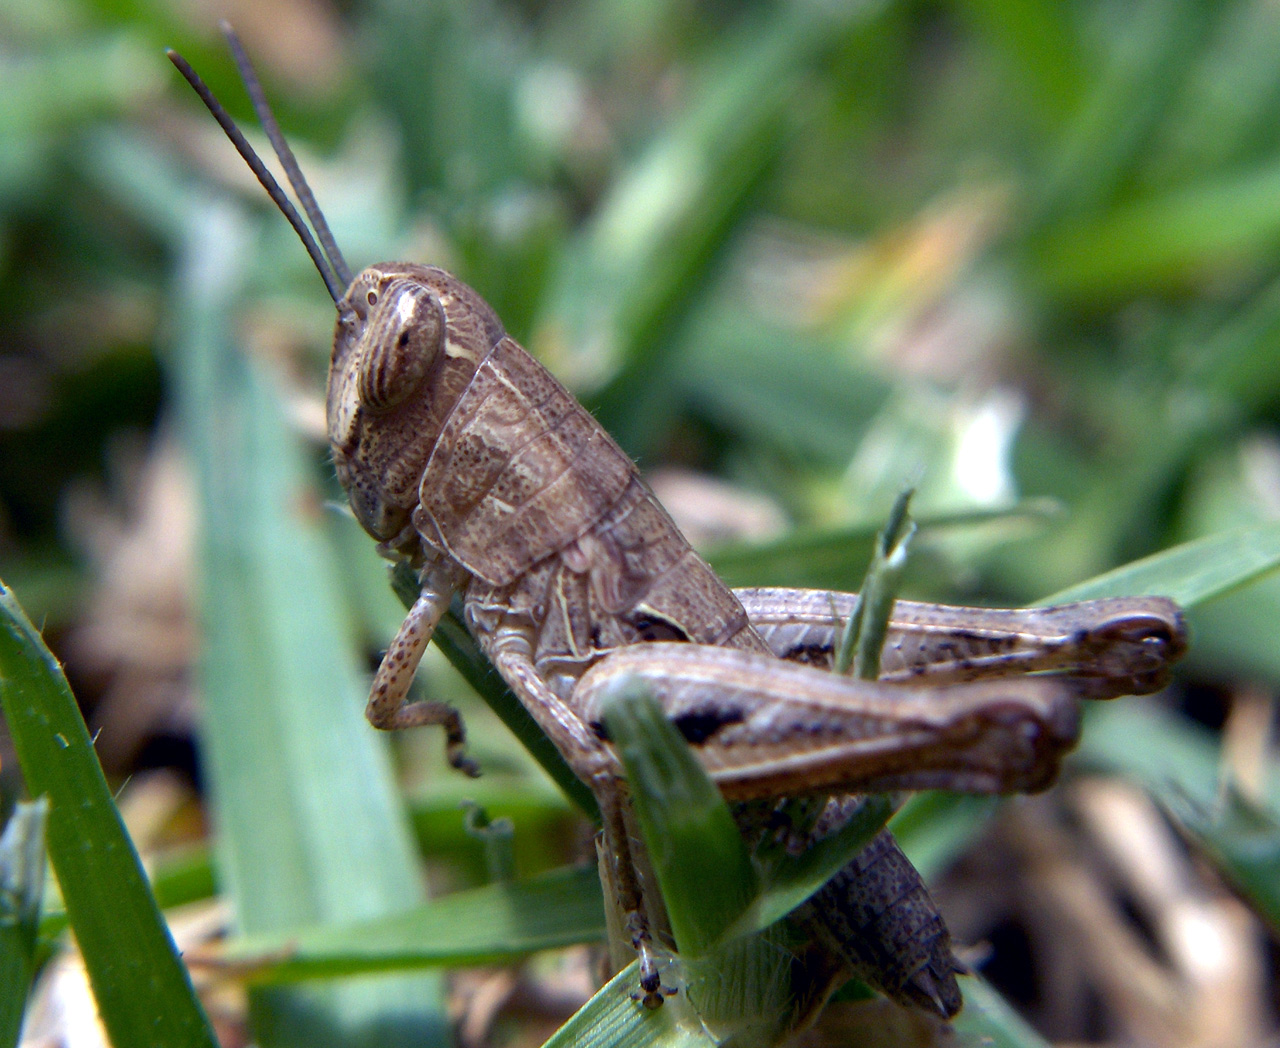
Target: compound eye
{"type": "Point", "coordinates": [401, 340]}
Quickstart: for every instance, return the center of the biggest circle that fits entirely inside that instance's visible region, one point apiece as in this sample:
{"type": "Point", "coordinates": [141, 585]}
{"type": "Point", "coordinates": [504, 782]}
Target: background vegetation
{"type": "Point", "coordinates": [1027, 252]}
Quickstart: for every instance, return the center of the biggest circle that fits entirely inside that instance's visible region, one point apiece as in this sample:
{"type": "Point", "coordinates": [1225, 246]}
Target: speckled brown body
{"type": "Point", "coordinates": [465, 456]}
{"type": "Point", "coordinates": [559, 539]}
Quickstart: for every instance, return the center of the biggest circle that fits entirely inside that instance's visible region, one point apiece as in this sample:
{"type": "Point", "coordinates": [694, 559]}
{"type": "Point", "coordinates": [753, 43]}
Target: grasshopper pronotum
{"type": "Point", "coordinates": [466, 459]}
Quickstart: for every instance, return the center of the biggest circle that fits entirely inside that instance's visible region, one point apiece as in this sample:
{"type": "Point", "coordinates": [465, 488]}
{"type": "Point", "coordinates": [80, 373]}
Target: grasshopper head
{"type": "Point", "coordinates": [407, 343]}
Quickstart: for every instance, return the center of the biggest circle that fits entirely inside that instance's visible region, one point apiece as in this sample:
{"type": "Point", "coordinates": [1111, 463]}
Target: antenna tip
{"type": "Point", "coordinates": [182, 66]}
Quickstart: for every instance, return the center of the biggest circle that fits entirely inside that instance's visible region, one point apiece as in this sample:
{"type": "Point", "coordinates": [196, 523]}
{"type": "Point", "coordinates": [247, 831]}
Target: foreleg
{"type": "Point", "coordinates": [389, 707]}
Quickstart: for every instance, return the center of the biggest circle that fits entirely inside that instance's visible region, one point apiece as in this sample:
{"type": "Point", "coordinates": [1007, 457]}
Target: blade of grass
{"type": "Point", "coordinates": [496, 837]}
{"type": "Point", "coordinates": [142, 989]}
{"type": "Point", "coordinates": [310, 827]}
{"type": "Point", "coordinates": [634, 271]}
{"type": "Point", "coordinates": [1166, 240]}
{"type": "Point", "coordinates": [22, 862]}
{"type": "Point", "coordinates": [739, 986]}
{"type": "Point", "coordinates": [696, 849]}
{"type": "Point", "coordinates": [1241, 839]}
{"type": "Point", "coordinates": [178, 879]}
{"type": "Point", "coordinates": [812, 557]}
{"type": "Point", "coordinates": [1192, 573]}
{"type": "Point", "coordinates": [543, 824]}
{"type": "Point", "coordinates": [987, 1021]}
{"type": "Point", "coordinates": [858, 650]}
{"type": "Point", "coordinates": [498, 922]}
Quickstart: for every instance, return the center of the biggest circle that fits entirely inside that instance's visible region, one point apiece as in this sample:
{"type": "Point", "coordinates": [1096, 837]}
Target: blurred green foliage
{"type": "Point", "coordinates": [1010, 249]}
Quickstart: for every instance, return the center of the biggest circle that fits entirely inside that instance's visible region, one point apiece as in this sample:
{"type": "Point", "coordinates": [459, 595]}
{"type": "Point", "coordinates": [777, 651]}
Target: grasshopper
{"type": "Point", "coordinates": [465, 458]}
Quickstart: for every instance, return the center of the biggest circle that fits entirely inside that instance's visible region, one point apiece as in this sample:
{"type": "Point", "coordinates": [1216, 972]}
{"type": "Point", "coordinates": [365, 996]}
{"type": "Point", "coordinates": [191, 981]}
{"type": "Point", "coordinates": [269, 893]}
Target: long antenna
{"type": "Point", "coordinates": [335, 287]}
{"type": "Point", "coordinates": [287, 160]}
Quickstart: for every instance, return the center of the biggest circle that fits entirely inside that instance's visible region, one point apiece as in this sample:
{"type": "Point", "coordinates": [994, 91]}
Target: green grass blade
{"type": "Point", "coordinates": [739, 984]}
{"type": "Point", "coordinates": [144, 995]}
{"type": "Point", "coordinates": [22, 862]}
{"type": "Point", "coordinates": [311, 829]}
{"type": "Point", "coordinates": [817, 558]}
{"type": "Point", "coordinates": [987, 1021]}
{"type": "Point", "coordinates": [1164, 241]}
{"type": "Point", "coordinates": [178, 879]}
{"type": "Point", "coordinates": [494, 923]}
{"type": "Point", "coordinates": [696, 849]}
{"type": "Point", "coordinates": [1192, 573]}
{"type": "Point", "coordinates": [1241, 839]}
{"type": "Point", "coordinates": [864, 635]}
{"type": "Point", "coordinates": [496, 837]}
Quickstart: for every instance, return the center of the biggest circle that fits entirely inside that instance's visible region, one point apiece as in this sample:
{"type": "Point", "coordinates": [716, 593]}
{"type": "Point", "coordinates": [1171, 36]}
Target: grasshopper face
{"type": "Point", "coordinates": [407, 343]}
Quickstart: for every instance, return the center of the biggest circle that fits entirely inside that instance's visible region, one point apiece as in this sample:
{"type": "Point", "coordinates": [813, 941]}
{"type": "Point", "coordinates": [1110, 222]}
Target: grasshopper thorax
{"type": "Point", "coordinates": [409, 339]}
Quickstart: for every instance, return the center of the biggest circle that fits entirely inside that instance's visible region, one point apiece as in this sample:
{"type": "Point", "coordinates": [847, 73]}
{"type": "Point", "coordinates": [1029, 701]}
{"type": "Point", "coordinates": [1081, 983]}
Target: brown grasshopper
{"type": "Point", "coordinates": [466, 459]}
